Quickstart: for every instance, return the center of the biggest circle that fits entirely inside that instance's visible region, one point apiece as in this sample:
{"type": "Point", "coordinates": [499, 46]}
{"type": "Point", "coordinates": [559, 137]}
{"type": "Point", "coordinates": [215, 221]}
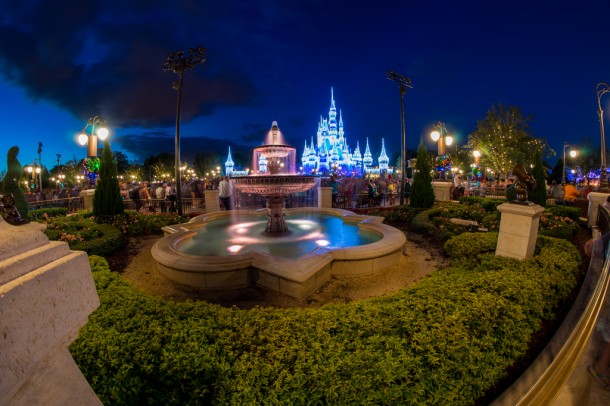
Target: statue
{"type": "Point", "coordinates": [525, 182]}
{"type": "Point", "coordinates": [8, 210]}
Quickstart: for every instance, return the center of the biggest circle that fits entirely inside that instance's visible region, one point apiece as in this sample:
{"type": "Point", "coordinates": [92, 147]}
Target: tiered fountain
{"type": "Point", "coordinates": [274, 178]}
{"type": "Point", "coordinates": [298, 250]}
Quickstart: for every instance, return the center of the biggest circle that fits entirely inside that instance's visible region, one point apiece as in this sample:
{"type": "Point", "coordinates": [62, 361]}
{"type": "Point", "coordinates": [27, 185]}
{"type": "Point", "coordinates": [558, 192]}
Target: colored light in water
{"type": "Point", "coordinates": [322, 243]}
{"type": "Point", "coordinates": [234, 248]}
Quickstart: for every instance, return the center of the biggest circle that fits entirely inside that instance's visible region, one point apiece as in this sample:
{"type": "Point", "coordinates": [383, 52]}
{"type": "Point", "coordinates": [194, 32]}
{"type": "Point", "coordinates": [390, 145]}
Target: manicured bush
{"type": "Point", "coordinates": [471, 245]}
{"type": "Point", "coordinates": [107, 200]}
{"type": "Point", "coordinates": [446, 340]}
{"type": "Point", "coordinates": [422, 194]}
{"type": "Point", "coordinates": [565, 211]}
{"type": "Point", "coordinates": [133, 223]}
{"type": "Point", "coordinates": [10, 182]}
{"type": "Point", "coordinates": [489, 204]}
{"type": "Point", "coordinates": [85, 235]}
{"type": "Point", "coordinates": [46, 213]}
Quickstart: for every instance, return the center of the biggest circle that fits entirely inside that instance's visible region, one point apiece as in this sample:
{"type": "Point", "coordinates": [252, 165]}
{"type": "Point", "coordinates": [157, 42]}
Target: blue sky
{"type": "Point", "coordinates": [63, 62]}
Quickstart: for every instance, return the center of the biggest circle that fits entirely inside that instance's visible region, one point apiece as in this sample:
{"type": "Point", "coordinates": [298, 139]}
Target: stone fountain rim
{"type": "Point", "coordinates": [295, 269]}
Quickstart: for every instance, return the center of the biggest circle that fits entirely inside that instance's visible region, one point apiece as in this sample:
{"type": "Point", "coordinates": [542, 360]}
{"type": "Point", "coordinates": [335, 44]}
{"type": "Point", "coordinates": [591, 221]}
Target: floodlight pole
{"type": "Point", "coordinates": [403, 83]}
{"type": "Point", "coordinates": [178, 63]}
{"type": "Point", "coordinates": [600, 90]}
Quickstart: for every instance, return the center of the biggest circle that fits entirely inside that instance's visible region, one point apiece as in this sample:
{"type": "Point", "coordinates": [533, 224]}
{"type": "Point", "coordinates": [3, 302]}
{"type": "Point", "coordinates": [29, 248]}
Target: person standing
{"type": "Point", "coordinates": [224, 192]}
{"type": "Point", "coordinates": [160, 195]}
{"type": "Point", "coordinates": [334, 185]}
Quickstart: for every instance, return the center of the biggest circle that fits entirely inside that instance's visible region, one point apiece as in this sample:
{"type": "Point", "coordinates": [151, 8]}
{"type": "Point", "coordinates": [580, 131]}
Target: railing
{"type": "Point", "coordinates": [189, 205]}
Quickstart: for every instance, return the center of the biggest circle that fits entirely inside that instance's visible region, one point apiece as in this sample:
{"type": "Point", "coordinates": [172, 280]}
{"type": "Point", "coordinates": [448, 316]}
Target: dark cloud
{"type": "Point", "coordinates": [146, 144]}
{"type": "Point", "coordinates": [106, 58]}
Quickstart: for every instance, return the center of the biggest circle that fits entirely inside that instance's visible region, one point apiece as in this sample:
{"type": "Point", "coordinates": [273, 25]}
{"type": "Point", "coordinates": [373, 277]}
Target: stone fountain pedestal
{"type": "Point", "coordinates": [518, 230]}
{"type": "Point", "coordinates": [46, 295]}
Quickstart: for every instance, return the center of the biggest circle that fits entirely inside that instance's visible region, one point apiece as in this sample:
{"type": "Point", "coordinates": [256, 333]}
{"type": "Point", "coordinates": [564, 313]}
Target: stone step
{"type": "Point", "coordinates": [20, 264]}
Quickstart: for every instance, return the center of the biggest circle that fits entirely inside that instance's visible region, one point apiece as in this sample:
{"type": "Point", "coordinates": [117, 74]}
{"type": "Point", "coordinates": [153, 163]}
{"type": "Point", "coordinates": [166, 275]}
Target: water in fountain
{"type": "Point", "coordinates": [274, 178]}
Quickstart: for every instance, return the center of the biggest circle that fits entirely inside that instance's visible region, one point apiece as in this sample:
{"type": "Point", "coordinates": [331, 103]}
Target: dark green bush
{"type": "Point", "coordinates": [133, 223]}
{"type": "Point", "coordinates": [565, 211]}
{"type": "Point", "coordinates": [446, 340]}
{"type": "Point", "coordinates": [422, 194]}
{"type": "Point", "coordinates": [471, 244]}
{"type": "Point", "coordinates": [46, 213]}
{"type": "Point", "coordinates": [10, 182]}
{"type": "Point", "coordinates": [489, 204]}
{"type": "Point", "coordinates": [85, 235]}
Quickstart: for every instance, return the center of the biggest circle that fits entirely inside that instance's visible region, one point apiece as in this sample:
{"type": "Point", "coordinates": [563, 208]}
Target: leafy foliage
{"type": "Point", "coordinates": [501, 135]}
{"type": "Point", "coordinates": [85, 235]}
{"type": "Point", "coordinates": [107, 200]}
{"type": "Point", "coordinates": [10, 183]}
{"type": "Point", "coordinates": [446, 340]}
{"type": "Point", "coordinates": [422, 194]}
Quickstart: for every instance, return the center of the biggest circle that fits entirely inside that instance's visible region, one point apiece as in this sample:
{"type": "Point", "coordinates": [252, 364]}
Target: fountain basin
{"type": "Point", "coordinates": [297, 276]}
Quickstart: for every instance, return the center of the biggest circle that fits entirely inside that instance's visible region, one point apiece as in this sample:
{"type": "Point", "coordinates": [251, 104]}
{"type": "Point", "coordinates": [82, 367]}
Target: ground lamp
{"type": "Point", "coordinates": [179, 63]}
{"type": "Point", "coordinates": [600, 90]}
{"type": "Point", "coordinates": [403, 83]}
{"type": "Point", "coordinates": [573, 154]}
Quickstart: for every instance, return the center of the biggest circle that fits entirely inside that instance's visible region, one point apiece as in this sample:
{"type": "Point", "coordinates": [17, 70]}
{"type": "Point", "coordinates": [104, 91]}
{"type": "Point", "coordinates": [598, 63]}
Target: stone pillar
{"type": "Point", "coordinates": [518, 230]}
{"type": "Point", "coordinates": [46, 295]}
{"type": "Point", "coordinates": [325, 197]}
{"type": "Point", "coordinates": [442, 191]}
{"type": "Point", "coordinates": [212, 203]}
{"type": "Point", "coordinates": [595, 199]}
{"type": "Point", "coordinates": [87, 196]}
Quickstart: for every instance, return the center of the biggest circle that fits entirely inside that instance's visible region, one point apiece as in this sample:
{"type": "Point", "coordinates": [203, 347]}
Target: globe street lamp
{"type": "Point", "coordinates": [441, 135]}
{"type": "Point", "coordinates": [35, 171]}
{"type": "Point", "coordinates": [572, 155]}
{"type": "Point", "coordinates": [179, 63]}
{"type": "Point", "coordinates": [403, 83]}
{"type": "Point", "coordinates": [90, 140]}
{"type": "Point", "coordinates": [600, 90]}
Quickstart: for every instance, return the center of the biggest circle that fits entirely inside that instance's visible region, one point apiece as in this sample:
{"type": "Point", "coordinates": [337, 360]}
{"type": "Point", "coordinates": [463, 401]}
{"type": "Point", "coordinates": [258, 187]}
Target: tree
{"type": "Point", "coordinates": [122, 163]}
{"type": "Point", "coordinates": [501, 135]}
{"type": "Point", "coordinates": [422, 194]}
{"type": "Point", "coordinates": [10, 183]}
{"type": "Point", "coordinates": [107, 199]}
{"type": "Point", "coordinates": [538, 195]}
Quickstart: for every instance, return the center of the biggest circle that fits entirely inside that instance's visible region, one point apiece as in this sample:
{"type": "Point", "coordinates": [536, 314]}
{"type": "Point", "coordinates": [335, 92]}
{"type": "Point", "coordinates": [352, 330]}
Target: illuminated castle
{"type": "Point", "coordinates": [331, 152]}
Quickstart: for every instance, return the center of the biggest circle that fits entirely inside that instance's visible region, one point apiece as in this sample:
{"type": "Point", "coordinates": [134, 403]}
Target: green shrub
{"type": "Point", "coordinates": [446, 340]}
{"type": "Point", "coordinates": [107, 200]}
{"type": "Point", "coordinates": [85, 235]}
{"type": "Point", "coordinates": [488, 204]}
{"type": "Point", "coordinates": [471, 244]}
{"type": "Point", "coordinates": [565, 211]}
{"type": "Point", "coordinates": [10, 182]}
{"type": "Point", "coordinates": [133, 223]}
{"type": "Point", "coordinates": [422, 194]}
{"type": "Point", "coordinates": [46, 213]}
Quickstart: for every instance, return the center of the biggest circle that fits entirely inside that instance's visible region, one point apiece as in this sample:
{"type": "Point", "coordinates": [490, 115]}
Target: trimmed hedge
{"type": "Point", "coordinates": [46, 213]}
{"type": "Point", "coordinates": [446, 340]}
{"type": "Point", "coordinates": [83, 234]}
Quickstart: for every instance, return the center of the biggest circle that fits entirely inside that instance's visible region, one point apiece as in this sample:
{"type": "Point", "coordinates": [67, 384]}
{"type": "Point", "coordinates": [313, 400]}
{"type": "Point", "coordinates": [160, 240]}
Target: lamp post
{"type": "Point", "coordinates": [178, 63]}
{"type": "Point", "coordinates": [601, 89]}
{"type": "Point", "coordinates": [441, 135]}
{"type": "Point", "coordinates": [90, 140]}
{"type": "Point", "coordinates": [572, 155]}
{"type": "Point", "coordinates": [403, 83]}
{"type": "Point", "coordinates": [35, 171]}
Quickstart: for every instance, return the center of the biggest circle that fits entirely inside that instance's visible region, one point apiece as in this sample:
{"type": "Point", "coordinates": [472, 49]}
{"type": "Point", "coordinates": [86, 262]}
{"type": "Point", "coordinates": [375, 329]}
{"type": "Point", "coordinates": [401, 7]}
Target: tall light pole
{"type": "Point", "coordinates": [179, 63]}
{"type": "Point", "coordinates": [403, 83]}
{"type": "Point", "coordinates": [601, 89]}
{"type": "Point", "coordinates": [565, 171]}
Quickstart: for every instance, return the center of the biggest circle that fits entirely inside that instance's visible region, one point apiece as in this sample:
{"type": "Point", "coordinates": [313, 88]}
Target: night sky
{"type": "Point", "coordinates": [62, 62]}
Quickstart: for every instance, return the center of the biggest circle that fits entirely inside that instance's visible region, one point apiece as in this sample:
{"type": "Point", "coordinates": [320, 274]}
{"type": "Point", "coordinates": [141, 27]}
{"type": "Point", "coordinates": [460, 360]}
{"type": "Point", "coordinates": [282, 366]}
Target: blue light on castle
{"type": "Point", "coordinates": [331, 153]}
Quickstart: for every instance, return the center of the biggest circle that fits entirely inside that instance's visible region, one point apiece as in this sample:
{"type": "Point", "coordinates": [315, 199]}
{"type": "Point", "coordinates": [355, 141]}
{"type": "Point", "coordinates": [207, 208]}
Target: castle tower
{"type": "Point", "coordinates": [368, 157]}
{"type": "Point", "coordinates": [229, 165]}
{"type": "Point", "coordinates": [383, 158]}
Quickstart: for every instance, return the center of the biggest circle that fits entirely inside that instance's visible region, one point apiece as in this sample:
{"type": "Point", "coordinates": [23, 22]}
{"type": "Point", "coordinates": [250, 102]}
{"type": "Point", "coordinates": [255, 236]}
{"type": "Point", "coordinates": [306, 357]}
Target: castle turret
{"type": "Point", "coordinates": [383, 158]}
{"type": "Point", "coordinates": [229, 165]}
